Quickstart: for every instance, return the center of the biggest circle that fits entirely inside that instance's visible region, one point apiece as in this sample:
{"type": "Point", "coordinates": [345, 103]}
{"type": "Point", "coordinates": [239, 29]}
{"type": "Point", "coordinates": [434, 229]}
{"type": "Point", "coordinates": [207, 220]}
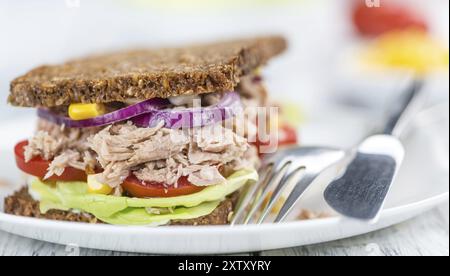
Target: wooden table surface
{"type": "Point", "coordinates": [425, 235]}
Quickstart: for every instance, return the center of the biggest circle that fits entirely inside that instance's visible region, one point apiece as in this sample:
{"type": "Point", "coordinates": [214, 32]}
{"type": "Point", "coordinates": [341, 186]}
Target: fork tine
{"type": "Point", "coordinates": [272, 180]}
{"type": "Point", "coordinates": [295, 196]}
{"type": "Point", "coordinates": [248, 197]}
{"type": "Point", "coordinates": [288, 173]}
{"type": "Point", "coordinates": [279, 191]}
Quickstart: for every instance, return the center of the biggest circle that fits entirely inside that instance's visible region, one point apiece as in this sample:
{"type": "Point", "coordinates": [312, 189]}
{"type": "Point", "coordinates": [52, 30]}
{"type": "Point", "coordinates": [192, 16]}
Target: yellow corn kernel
{"type": "Point", "coordinates": [95, 187]}
{"type": "Point", "coordinates": [81, 111]}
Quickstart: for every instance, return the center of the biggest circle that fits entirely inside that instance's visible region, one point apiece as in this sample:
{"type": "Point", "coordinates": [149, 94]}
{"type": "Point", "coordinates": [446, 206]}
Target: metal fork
{"type": "Point", "coordinates": [287, 174]}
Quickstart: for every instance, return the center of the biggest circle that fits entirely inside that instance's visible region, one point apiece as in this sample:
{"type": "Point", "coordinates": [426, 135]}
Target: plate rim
{"type": "Point", "coordinates": [86, 227]}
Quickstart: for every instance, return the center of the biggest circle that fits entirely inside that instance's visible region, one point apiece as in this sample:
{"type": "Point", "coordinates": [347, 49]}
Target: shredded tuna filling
{"type": "Point", "coordinates": [164, 155]}
{"type": "Point", "coordinates": [151, 154]}
{"type": "Point", "coordinates": [64, 146]}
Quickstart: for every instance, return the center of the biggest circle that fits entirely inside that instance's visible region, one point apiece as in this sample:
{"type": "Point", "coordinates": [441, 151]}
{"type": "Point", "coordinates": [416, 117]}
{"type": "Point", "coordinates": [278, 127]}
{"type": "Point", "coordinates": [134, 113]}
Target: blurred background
{"type": "Point", "coordinates": [345, 56]}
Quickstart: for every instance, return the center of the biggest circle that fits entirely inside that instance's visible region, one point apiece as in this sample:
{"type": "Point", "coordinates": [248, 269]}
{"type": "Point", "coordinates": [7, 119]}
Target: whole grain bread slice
{"type": "Point", "coordinates": [144, 74]}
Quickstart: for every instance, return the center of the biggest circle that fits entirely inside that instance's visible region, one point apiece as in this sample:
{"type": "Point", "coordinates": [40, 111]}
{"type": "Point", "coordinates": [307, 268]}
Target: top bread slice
{"type": "Point", "coordinates": [144, 74]}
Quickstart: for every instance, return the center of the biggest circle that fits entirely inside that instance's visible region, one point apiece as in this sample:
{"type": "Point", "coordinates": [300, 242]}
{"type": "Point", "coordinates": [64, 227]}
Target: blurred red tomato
{"type": "Point", "coordinates": [373, 21]}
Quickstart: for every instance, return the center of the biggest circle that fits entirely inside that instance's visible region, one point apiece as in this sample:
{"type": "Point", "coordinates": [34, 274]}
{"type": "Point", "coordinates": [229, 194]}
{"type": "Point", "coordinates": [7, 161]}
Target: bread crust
{"type": "Point", "coordinates": [144, 74]}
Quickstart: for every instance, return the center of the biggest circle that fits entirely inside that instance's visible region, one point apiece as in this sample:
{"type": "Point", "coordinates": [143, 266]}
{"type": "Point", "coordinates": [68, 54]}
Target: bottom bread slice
{"type": "Point", "coordinates": [22, 204]}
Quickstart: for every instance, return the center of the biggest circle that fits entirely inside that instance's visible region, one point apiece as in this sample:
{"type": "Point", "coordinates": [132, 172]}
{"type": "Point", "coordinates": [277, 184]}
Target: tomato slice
{"type": "Point", "coordinates": [287, 136]}
{"type": "Point", "coordinates": [38, 167]}
{"type": "Point", "coordinates": [140, 189]}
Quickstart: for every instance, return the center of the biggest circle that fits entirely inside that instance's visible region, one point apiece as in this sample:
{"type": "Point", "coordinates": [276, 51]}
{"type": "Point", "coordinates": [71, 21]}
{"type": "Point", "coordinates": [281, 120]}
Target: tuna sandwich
{"type": "Point", "coordinates": [143, 137]}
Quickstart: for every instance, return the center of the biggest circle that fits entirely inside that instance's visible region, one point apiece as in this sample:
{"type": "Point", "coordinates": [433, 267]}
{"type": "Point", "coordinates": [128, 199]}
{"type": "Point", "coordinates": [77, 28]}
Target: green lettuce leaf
{"type": "Point", "coordinates": [139, 216]}
{"type": "Point", "coordinates": [132, 211]}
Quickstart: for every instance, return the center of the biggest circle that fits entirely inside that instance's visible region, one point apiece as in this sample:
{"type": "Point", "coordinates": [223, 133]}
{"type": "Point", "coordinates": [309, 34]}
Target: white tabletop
{"type": "Point", "coordinates": [425, 235]}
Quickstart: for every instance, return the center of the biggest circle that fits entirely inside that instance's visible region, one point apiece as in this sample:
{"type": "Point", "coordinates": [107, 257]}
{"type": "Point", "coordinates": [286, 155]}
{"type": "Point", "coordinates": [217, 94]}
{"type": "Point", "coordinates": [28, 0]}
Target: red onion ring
{"type": "Point", "coordinates": [150, 112]}
{"type": "Point", "coordinates": [228, 107]}
{"type": "Point", "coordinates": [107, 119]}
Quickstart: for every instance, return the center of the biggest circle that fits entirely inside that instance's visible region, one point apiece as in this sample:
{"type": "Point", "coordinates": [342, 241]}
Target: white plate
{"type": "Point", "coordinates": [422, 185]}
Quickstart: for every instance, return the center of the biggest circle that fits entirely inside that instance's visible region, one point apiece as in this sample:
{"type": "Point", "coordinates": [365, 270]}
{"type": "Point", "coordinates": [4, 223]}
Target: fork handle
{"type": "Point", "coordinates": [411, 101]}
